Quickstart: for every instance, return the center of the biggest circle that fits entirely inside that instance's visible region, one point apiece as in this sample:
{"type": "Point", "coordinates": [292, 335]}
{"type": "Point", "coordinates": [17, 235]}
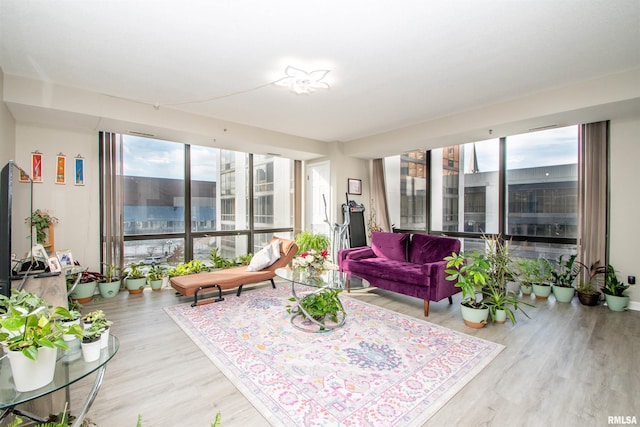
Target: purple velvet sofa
{"type": "Point", "coordinates": [407, 264]}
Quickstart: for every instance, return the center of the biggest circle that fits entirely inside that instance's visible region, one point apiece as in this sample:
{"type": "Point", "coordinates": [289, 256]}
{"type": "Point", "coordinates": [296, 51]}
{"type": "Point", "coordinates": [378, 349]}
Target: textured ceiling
{"type": "Point", "coordinates": [392, 63]}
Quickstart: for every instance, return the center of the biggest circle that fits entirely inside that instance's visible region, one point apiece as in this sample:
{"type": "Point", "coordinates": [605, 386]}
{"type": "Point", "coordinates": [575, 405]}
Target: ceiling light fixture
{"type": "Point", "coordinates": [301, 82]}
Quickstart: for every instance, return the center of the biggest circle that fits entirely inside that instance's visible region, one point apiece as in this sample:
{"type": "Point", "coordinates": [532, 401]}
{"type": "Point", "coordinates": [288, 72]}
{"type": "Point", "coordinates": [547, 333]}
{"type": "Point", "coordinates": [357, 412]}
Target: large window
{"type": "Point", "coordinates": [168, 219]}
{"type": "Point", "coordinates": [527, 193]}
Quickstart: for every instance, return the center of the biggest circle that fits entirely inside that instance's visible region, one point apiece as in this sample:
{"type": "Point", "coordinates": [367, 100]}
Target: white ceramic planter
{"type": "Point", "coordinates": [104, 339]}
{"type": "Point", "coordinates": [91, 351]}
{"type": "Point", "coordinates": [30, 374]}
{"type": "Point", "coordinates": [70, 337]}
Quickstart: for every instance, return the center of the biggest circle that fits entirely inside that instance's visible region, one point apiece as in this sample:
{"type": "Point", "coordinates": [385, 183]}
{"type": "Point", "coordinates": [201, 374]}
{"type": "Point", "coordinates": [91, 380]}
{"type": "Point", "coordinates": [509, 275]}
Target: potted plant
{"type": "Point", "coordinates": [110, 284]}
{"type": "Point", "coordinates": [218, 261]}
{"type": "Point", "coordinates": [154, 276]}
{"type": "Point", "coordinates": [613, 290]}
{"type": "Point", "coordinates": [503, 304]}
{"type": "Point", "coordinates": [307, 240]}
{"type": "Point", "coordinates": [319, 305]}
{"type": "Point", "coordinates": [83, 285]}
{"type": "Point", "coordinates": [501, 272]}
{"type": "Point", "coordinates": [41, 221]}
{"type": "Point", "coordinates": [587, 290]}
{"type": "Point", "coordinates": [136, 279]}
{"type": "Point", "coordinates": [564, 277]}
{"type": "Point", "coordinates": [91, 345]}
{"type": "Point", "coordinates": [31, 337]}
{"type": "Point", "coordinates": [530, 271]}
{"type": "Point", "coordinates": [97, 317]}
{"type": "Point", "coordinates": [470, 275]}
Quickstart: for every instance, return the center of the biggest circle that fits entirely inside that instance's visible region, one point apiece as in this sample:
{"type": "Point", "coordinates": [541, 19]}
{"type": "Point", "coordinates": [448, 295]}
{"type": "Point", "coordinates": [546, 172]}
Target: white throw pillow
{"type": "Point", "coordinates": [265, 257]}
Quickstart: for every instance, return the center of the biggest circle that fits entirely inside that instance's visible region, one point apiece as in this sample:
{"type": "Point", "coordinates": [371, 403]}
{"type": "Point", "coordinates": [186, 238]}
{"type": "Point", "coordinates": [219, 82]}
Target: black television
{"type": "Point", "coordinates": [16, 238]}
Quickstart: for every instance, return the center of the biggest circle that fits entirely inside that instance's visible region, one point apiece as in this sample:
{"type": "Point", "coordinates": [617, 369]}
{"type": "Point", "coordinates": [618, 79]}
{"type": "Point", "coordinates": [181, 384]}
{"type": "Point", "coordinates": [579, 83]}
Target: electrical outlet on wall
{"type": "Point", "coordinates": [631, 280]}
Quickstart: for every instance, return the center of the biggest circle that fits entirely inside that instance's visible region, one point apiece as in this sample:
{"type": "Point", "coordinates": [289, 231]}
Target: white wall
{"type": "Point", "coordinates": [76, 207]}
{"type": "Point", "coordinates": [7, 130]}
{"type": "Point", "coordinates": [625, 202]}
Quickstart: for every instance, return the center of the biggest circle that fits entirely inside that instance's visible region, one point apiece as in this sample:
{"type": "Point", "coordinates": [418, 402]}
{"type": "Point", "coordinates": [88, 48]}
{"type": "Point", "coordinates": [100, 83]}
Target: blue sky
{"type": "Point", "coordinates": [544, 148]}
{"type": "Point", "coordinates": [164, 159]}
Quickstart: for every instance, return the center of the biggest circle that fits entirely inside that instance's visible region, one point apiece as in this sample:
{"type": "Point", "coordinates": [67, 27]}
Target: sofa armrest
{"type": "Point", "coordinates": [440, 286]}
{"type": "Point", "coordinates": [358, 253]}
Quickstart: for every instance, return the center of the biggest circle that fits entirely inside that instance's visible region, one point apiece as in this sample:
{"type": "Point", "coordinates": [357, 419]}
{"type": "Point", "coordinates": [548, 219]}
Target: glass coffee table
{"type": "Point", "coordinates": [313, 284]}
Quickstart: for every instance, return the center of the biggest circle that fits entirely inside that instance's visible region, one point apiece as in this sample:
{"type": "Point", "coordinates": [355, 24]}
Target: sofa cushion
{"type": "Point", "coordinates": [426, 248]}
{"type": "Point", "coordinates": [388, 269]}
{"type": "Point", "coordinates": [390, 245]}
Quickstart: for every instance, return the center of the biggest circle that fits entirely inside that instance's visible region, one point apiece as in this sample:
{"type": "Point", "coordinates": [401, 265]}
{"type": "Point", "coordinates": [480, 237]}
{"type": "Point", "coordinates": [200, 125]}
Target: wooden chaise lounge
{"type": "Point", "coordinates": [230, 278]}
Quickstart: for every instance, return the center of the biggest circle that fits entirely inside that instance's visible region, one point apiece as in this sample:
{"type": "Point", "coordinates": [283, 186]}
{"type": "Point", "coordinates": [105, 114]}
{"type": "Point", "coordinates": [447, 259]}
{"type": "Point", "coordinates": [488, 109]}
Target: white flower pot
{"type": "Point", "coordinates": [91, 351]}
{"type": "Point", "coordinates": [30, 374]}
{"type": "Point", "coordinates": [70, 337]}
{"type": "Point", "coordinates": [104, 339]}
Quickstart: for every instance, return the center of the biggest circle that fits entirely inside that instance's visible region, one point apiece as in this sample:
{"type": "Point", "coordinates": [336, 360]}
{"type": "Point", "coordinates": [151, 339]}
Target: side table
{"type": "Point", "coordinates": [70, 367]}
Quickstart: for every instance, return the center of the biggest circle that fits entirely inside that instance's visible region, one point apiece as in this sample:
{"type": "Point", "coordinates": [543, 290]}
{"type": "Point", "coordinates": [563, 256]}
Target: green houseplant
{"type": "Point", "coordinates": [307, 240]}
{"type": "Point", "coordinates": [470, 274]}
{"type": "Point", "coordinates": [613, 290]}
{"type": "Point", "coordinates": [319, 306]}
{"type": "Point", "coordinates": [82, 285]}
{"type": "Point", "coordinates": [136, 279]}
{"type": "Point", "coordinates": [110, 284]}
{"type": "Point", "coordinates": [31, 336]}
{"type": "Point", "coordinates": [503, 305]}
{"type": "Point", "coordinates": [588, 293]}
{"type": "Point", "coordinates": [155, 275]}
{"type": "Point", "coordinates": [501, 270]}
{"type": "Point", "coordinates": [41, 221]}
{"type": "Point", "coordinates": [532, 271]}
{"type": "Point", "coordinates": [564, 277]}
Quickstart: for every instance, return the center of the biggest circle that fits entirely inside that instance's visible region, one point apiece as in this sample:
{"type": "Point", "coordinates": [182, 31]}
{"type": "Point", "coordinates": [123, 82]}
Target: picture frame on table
{"type": "Point", "coordinates": [39, 252]}
{"type": "Point", "coordinates": [354, 186]}
{"type": "Point", "coordinates": [66, 259]}
{"type": "Point", "coordinates": [54, 264]}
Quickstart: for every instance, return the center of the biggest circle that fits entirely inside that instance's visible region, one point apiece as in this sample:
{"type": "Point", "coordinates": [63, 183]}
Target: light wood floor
{"type": "Point", "coordinates": [568, 365]}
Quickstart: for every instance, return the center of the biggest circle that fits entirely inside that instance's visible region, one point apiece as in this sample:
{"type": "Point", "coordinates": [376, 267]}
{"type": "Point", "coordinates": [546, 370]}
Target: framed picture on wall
{"type": "Point", "coordinates": [36, 167]}
{"type": "Point", "coordinates": [354, 186]}
{"type": "Point", "coordinates": [79, 170]}
{"type": "Point", "coordinates": [60, 169]}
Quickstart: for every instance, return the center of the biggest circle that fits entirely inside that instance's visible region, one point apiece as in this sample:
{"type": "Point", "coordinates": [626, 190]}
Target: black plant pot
{"type": "Point", "coordinates": [588, 298]}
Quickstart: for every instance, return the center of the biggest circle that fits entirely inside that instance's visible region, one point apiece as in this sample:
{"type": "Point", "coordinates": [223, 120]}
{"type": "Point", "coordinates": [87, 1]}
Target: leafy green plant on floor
{"type": "Point", "coordinates": [191, 267]}
{"type": "Point", "coordinates": [218, 261]}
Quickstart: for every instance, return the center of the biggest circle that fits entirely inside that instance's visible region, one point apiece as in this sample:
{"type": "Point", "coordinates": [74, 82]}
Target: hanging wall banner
{"type": "Point", "coordinates": [60, 169]}
{"type": "Point", "coordinates": [79, 171]}
{"type": "Point", "coordinates": [36, 167]}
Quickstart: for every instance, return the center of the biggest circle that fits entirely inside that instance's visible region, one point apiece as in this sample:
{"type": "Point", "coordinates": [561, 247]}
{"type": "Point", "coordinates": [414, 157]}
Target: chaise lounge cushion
{"type": "Point", "coordinates": [236, 276]}
{"type": "Point", "coordinates": [426, 248]}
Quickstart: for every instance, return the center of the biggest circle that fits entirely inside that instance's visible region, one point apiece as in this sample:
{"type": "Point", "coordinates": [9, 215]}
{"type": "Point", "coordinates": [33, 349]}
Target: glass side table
{"type": "Point", "coordinates": [70, 367]}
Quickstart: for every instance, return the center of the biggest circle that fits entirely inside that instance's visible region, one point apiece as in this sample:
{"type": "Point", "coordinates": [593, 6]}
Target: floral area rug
{"type": "Point", "coordinates": [380, 369]}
